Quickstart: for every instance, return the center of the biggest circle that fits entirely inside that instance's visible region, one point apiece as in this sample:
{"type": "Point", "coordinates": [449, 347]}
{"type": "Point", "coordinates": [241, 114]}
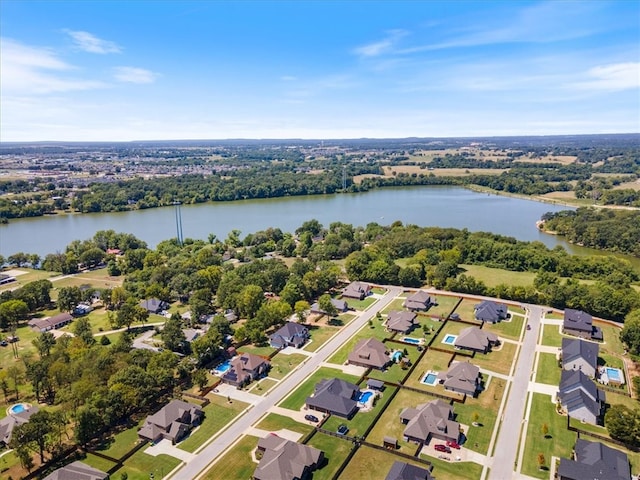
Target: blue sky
{"type": "Point", "coordinates": [144, 70]}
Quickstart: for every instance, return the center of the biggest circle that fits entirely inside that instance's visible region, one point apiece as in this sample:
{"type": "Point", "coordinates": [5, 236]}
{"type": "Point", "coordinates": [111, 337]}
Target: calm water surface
{"type": "Point", "coordinates": [424, 206]}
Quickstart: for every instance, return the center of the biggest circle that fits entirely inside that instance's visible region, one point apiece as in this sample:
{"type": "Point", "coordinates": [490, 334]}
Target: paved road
{"type": "Point", "coordinates": [229, 436]}
{"type": "Point", "coordinates": [504, 462]}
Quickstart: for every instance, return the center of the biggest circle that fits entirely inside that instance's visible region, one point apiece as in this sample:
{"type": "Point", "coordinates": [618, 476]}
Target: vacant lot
{"type": "Point", "coordinates": [495, 276]}
{"type": "Point", "coordinates": [548, 370]}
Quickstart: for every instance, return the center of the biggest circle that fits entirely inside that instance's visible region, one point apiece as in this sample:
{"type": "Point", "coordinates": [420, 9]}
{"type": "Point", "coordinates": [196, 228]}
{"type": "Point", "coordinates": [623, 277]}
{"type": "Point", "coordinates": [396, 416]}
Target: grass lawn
{"type": "Point", "coordinates": [378, 290]}
{"type": "Point", "coordinates": [444, 306]}
{"type": "Point", "coordinates": [217, 415]}
{"type": "Point", "coordinates": [140, 465]}
{"type": "Point", "coordinates": [98, 462]}
{"type": "Point", "coordinates": [548, 370]}
{"type": "Point", "coordinates": [395, 373]}
{"type": "Point", "coordinates": [618, 398]}
{"type": "Point", "coordinates": [262, 351]}
{"type": "Point", "coordinates": [376, 330]}
{"type": "Point", "coordinates": [432, 360]}
{"type": "Point", "coordinates": [360, 304]}
{"type": "Point", "coordinates": [610, 361]}
{"type": "Point", "coordinates": [554, 316]}
{"type": "Point", "coordinates": [320, 334]}
{"type": "Point", "coordinates": [335, 453]}
{"type": "Point", "coordinates": [551, 336]}
{"type": "Point", "coordinates": [511, 329]}
{"type": "Point", "coordinates": [495, 276]}
{"type": "Point", "coordinates": [498, 361]}
{"type": "Point", "coordinates": [559, 443]}
{"type": "Point", "coordinates": [597, 429]}
{"type": "Point", "coordinates": [10, 463]}
{"type": "Point", "coordinates": [262, 387]}
{"type": "Point", "coordinates": [296, 400]}
{"type": "Point", "coordinates": [466, 310]}
{"type": "Point", "coordinates": [237, 464]}
{"type": "Point", "coordinates": [361, 420]}
{"type": "Point", "coordinates": [396, 304]}
{"type": "Point", "coordinates": [370, 464]}
{"type": "Point", "coordinates": [282, 364]}
{"type": "Point", "coordinates": [274, 422]}
{"type": "Point", "coordinates": [31, 275]}
{"type": "Point", "coordinates": [611, 335]}
{"type": "Point", "coordinates": [121, 442]}
{"type": "Point", "coordinates": [454, 470]}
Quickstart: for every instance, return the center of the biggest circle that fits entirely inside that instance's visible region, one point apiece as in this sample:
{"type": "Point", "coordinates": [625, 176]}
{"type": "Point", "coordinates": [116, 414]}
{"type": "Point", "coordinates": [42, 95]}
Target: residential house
{"type": "Point", "coordinates": [341, 307]}
{"type": "Point", "coordinates": [335, 396]}
{"type": "Point", "coordinates": [462, 377]}
{"type": "Point", "coordinates": [283, 459]}
{"type": "Point", "coordinates": [594, 460]}
{"type": "Point", "coordinates": [369, 353]}
{"type": "Point", "coordinates": [154, 305]}
{"type": "Point", "coordinates": [190, 334]}
{"type": "Point", "coordinates": [419, 301]}
{"type": "Point", "coordinates": [230, 316]}
{"type": "Point", "coordinates": [406, 471]}
{"type": "Point", "coordinates": [580, 397]}
{"type": "Point", "coordinates": [82, 309]}
{"type": "Point", "coordinates": [356, 290]}
{"type": "Point", "coordinates": [580, 355]}
{"type": "Point", "coordinates": [77, 471]}
{"type": "Point", "coordinates": [433, 419]}
{"type": "Point", "coordinates": [11, 421]}
{"type": "Point", "coordinates": [244, 369]}
{"type": "Point", "coordinates": [490, 311]}
{"type": "Point", "coordinates": [580, 324]}
{"type": "Point", "coordinates": [51, 323]}
{"type": "Point", "coordinates": [291, 334]}
{"type": "Point", "coordinates": [173, 422]}
{"type": "Point", "coordinates": [4, 279]}
{"type": "Point", "coordinates": [475, 339]}
{"type": "Point", "coordinates": [401, 321]}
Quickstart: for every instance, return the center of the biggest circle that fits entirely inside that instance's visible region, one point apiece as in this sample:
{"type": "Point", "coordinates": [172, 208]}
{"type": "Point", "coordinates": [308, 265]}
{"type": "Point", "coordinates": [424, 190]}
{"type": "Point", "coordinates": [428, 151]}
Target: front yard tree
{"type": "Point", "coordinates": [327, 306]}
{"type": "Point", "coordinates": [545, 430]}
{"type": "Point", "coordinates": [301, 308]}
{"type": "Point", "coordinates": [69, 298]}
{"type": "Point", "coordinates": [541, 461]}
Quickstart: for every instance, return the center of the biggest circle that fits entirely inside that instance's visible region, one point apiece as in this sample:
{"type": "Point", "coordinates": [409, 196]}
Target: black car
{"type": "Point", "coordinates": [342, 429]}
{"type": "Point", "coordinates": [311, 418]}
{"type": "Point", "coordinates": [3, 343]}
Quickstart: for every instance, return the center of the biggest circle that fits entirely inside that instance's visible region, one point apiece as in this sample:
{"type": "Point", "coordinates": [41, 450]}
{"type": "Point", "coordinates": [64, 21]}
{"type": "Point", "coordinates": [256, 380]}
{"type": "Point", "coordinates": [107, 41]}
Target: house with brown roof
{"type": "Point", "coordinates": [430, 420]}
{"type": "Point", "coordinates": [173, 422]}
{"type": "Point", "coordinates": [401, 321]}
{"type": "Point", "coordinates": [369, 353]}
{"type": "Point", "coordinates": [419, 301]}
{"type": "Point", "coordinates": [476, 340]}
{"type": "Point", "coordinates": [245, 368]}
{"type": "Point", "coordinates": [357, 290]}
{"type": "Point", "coordinates": [51, 323]}
{"type": "Point", "coordinates": [283, 459]}
{"type": "Point", "coordinates": [462, 377]}
{"type": "Point", "coordinates": [580, 324]}
{"type": "Point", "coordinates": [77, 471]}
{"type": "Point", "coordinates": [335, 396]}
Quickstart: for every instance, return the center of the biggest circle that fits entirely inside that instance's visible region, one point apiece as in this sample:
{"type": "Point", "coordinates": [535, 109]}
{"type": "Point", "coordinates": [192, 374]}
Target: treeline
{"type": "Point", "coordinates": [605, 229]}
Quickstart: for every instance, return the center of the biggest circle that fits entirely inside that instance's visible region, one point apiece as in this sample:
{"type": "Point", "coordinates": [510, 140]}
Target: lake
{"type": "Point", "coordinates": [424, 206]}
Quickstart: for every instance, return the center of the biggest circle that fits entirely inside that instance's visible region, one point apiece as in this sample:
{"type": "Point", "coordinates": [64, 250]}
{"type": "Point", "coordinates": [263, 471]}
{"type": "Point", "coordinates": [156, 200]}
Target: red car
{"type": "Point", "coordinates": [442, 448]}
{"type": "Point", "coordinates": [453, 444]}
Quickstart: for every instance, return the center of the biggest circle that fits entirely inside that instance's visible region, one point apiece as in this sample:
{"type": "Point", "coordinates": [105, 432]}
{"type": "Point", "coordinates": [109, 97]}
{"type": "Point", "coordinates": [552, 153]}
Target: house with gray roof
{"type": "Point", "coordinates": [4, 279]}
{"type": "Point", "coordinates": [51, 323]}
{"type": "Point", "coordinates": [401, 321]}
{"type": "Point", "coordinates": [490, 311]}
{"type": "Point", "coordinates": [594, 460]}
{"type": "Point", "coordinates": [335, 396]}
{"type": "Point", "coordinates": [580, 324]}
{"type": "Point", "coordinates": [419, 301]}
{"type": "Point", "coordinates": [341, 306]}
{"type": "Point", "coordinates": [406, 471]}
{"type": "Point", "coordinates": [154, 305]}
{"type": "Point", "coordinates": [430, 420]}
{"type": "Point", "coordinates": [283, 459]}
{"type": "Point", "coordinates": [12, 420]}
{"type": "Point", "coordinates": [476, 340]}
{"type": "Point", "coordinates": [244, 369]}
{"type": "Point", "coordinates": [357, 290]}
{"type": "Point", "coordinates": [580, 397]}
{"type": "Point", "coordinates": [77, 471]}
{"type": "Point", "coordinates": [369, 353]}
{"type": "Point", "coordinates": [462, 377]}
{"type": "Point", "coordinates": [580, 355]}
{"type": "Point", "coordinates": [291, 334]}
{"type": "Point", "coordinates": [173, 422]}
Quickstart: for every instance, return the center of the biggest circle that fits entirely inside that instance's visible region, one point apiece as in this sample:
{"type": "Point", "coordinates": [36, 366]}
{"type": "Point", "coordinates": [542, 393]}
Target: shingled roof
{"type": "Point", "coordinates": [594, 460]}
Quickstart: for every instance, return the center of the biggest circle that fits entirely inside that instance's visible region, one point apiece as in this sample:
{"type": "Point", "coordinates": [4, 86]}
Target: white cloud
{"type": "Point", "coordinates": [134, 75]}
{"type": "Point", "coordinates": [90, 43]}
{"type": "Point", "coordinates": [616, 76]}
{"type": "Point", "coordinates": [288, 78]}
{"type": "Point", "coordinates": [383, 46]}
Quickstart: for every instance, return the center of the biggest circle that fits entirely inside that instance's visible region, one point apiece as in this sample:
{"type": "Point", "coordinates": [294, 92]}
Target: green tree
{"type": "Point", "coordinates": [11, 312]}
{"type": "Point", "coordinates": [327, 306]}
{"type": "Point", "coordinates": [172, 334]}
{"type": "Point", "coordinates": [541, 461]}
{"type": "Point", "coordinates": [622, 423]}
{"type": "Point", "coordinates": [200, 378]}
{"type": "Point", "coordinates": [82, 330]}
{"type": "Point", "coordinates": [44, 343]}
{"type": "Point", "coordinates": [630, 333]}
{"type": "Point", "coordinates": [301, 308]}
{"type": "Point", "coordinates": [69, 298]}
{"type": "Point", "coordinates": [250, 300]}
{"type": "Point", "coordinates": [88, 424]}
{"type": "Point", "coordinates": [16, 373]}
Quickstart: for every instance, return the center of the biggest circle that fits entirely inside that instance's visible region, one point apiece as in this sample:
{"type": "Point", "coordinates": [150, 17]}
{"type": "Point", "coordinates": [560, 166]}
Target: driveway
{"type": "Point", "coordinates": [165, 447]}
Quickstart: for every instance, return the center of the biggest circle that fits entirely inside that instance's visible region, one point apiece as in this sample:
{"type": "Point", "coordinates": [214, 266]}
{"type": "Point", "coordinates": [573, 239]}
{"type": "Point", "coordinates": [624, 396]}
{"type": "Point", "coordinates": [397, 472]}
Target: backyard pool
{"type": "Point", "coordinates": [431, 378]}
{"type": "Point", "coordinates": [449, 339]}
{"type": "Point", "coordinates": [415, 341]}
{"type": "Point", "coordinates": [364, 397]}
{"type": "Point", "coordinates": [614, 374]}
{"type": "Point", "coordinates": [223, 367]}
{"type": "Point", "coordinates": [18, 408]}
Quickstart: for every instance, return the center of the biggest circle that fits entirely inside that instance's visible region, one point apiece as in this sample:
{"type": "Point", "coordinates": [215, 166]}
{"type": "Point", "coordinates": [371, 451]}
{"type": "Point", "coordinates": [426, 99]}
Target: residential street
{"type": "Point", "coordinates": [212, 451]}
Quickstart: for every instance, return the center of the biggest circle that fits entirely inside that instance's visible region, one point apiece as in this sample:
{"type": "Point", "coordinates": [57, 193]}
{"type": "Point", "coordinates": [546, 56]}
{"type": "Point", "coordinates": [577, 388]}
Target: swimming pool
{"type": "Point", "coordinates": [364, 397]}
{"type": "Point", "coordinates": [449, 339]}
{"type": "Point", "coordinates": [415, 341]}
{"type": "Point", "coordinates": [614, 374]}
{"type": "Point", "coordinates": [18, 408]}
{"type": "Point", "coordinates": [224, 366]}
{"type": "Point", "coordinates": [430, 378]}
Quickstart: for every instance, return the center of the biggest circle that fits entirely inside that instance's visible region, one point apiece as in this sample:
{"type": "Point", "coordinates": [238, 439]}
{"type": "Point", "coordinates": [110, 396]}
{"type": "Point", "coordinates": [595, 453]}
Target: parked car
{"type": "Point", "coordinates": [311, 418]}
{"type": "Point", "coordinates": [442, 448]}
{"type": "Point", "coordinates": [3, 343]}
{"type": "Point", "coordinates": [528, 327]}
{"type": "Point", "coordinates": [342, 429]}
{"type": "Point", "coordinates": [453, 444]}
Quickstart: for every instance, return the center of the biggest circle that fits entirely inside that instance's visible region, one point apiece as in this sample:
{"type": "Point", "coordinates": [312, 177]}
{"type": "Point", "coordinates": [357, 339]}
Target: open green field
{"type": "Point", "coordinates": [141, 465]}
{"type": "Point", "coordinates": [511, 329]}
{"type": "Point", "coordinates": [396, 304]}
{"type": "Point", "coordinates": [551, 336]}
{"type": "Point", "coordinates": [611, 335]}
{"type": "Point", "coordinates": [120, 443]}
{"type": "Point", "coordinates": [559, 441]}
{"type": "Point", "coordinates": [444, 306]}
{"type": "Point", "coordinates": [274, 422]}
{"type": "Point", "coordinates": [620, 399]}
{"type": "Point", "coordinates": [610, 361]}
{"type": "Point", "coordinates": [375, 330]}
{"type": "Point", "coordinates": [218, 414]}
{"type": "Point", "coordinates": [335, 453]}
{"type": "Point", "coordinates": [320, 334]}
{"type": "Point", "coordinates": [282, 364]}
{"type": "Point", "coordinates": [498, 361]}
{"type": "Point", "coordinates": [454, 470]}
{"type": "Point", "coordinates": [548, 370]}
{"type": "Point", "coordinates": [237, 463]}
{"type": "Point", "coordinates": [370, 464]}
{"type": "Point", "coordinates": [296, 400]}
{"type": "Point", "coordinates": [496, 276]}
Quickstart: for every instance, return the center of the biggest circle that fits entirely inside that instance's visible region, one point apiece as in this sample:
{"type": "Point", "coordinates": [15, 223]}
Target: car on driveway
{"type": "Point", "coordinates": [342, 429]}
{"type": "Point", "coordinates": [453, 444]}
{"type": "Point", "coordinates": [442, 448]}
{"type": "Point", "coordinates": [311, 418]}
